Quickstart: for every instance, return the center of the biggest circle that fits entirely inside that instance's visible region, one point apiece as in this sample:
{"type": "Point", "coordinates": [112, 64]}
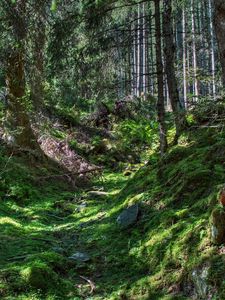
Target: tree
{"type": "Point", "coordinates": [17, 125]}
{"type": "Point", "coordinates": [219, 21]}
{"type": "Point", "coordinates": [169, 53]}
{"type": "Point", "coordinates": [38, 41]}
{"type": "Point", "coordinates": [159, 66]}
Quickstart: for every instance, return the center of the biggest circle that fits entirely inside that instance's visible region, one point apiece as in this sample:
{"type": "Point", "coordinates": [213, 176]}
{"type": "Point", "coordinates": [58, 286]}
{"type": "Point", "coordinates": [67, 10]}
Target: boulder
{"type": "Point", "coordinates": [218, 226]}
{"type": "Point", "coordinates": [128, 217]}
{"type": "Point", "coordinates": [39, 276]}
{"type": "Point", "coordinates": [202, 289]}
{"type": "Point", "coordinates": [80, 257]}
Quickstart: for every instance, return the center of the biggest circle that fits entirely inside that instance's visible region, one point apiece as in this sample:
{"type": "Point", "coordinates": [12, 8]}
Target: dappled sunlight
{"type": "Point", "coordinates": [112, 150]}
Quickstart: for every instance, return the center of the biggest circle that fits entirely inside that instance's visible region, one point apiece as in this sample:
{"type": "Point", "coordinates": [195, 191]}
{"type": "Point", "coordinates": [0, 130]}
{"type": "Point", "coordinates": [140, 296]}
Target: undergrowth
{"type": "Point", "coordinates": [42, 223]}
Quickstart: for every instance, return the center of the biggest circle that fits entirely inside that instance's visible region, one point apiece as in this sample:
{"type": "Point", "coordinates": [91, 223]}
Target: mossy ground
{"type": "Point", "coordinates": [42, 224]}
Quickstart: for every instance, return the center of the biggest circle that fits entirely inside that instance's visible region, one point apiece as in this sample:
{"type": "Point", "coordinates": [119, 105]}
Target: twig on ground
{"type": "Point", "coordinates": [18, 257]}
{"type": "Point", "coordinates": [54, 216]}
{"type": "Point", "coordinates": [91, 283]}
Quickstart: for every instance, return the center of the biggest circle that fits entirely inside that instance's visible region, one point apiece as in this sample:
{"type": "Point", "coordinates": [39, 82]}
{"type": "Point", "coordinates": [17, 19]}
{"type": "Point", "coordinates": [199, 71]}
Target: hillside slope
{"type": "Point", "coordinates": [175, 227]}
{"type": "Point", "coordinates": [166, 254]}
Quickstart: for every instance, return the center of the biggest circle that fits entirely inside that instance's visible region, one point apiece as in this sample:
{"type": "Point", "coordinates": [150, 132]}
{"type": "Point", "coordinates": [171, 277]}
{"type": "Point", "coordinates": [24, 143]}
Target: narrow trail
{"type": "Point", "coordinates": [68, 224]}
{"type": "Point", "coordinates": [98, 237]}
{"type": "Point", "coordinates": [92, 231]}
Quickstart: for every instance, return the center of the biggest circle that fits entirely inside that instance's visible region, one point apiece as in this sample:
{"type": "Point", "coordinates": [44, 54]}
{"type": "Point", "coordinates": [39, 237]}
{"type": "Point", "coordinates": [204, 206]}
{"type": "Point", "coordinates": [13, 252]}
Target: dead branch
{"type": "Point", "coordinates": [91, 283]}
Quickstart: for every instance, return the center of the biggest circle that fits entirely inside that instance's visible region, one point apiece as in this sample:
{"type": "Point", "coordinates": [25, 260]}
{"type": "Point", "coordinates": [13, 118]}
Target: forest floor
{"type": "Point", "coordinates": [38, 237]}
{"type": "Point", "coordinates": [58, 242]}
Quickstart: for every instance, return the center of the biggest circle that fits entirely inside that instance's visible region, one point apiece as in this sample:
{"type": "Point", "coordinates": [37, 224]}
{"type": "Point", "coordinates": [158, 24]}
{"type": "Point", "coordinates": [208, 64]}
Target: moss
{"type": "Point", "coordinates": [218, 225]}
{"type": "Point", "coordinates": [170, 239]}
{"type": "Point", "coordinates": [39, 276]}
{"type": "Point", "coordinates": [216, 275]}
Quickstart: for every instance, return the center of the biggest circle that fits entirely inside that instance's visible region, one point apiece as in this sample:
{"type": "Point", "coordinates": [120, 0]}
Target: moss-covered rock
{"type": "Point", "coordinates": [202, 289]}
{"type": "Point", "coordinates": [39, 276]}
{"type": "Point", "coordinates": [218, 226]}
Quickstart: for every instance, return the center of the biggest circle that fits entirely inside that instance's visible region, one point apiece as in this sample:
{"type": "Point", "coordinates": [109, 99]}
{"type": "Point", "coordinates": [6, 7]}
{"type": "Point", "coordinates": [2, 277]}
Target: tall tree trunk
{"type": "Point", "coordinates": [196, 83]}
{"type": "Point", "coordinates": [147, 59]}
{"type": "Point", "coordinates": [38, 43]}
{"type": "Point", "coordinates": [184, 58]}
{"type": "Point", "coordinates": [134, 61]}
{"type": "Point", "coordinates": [219, 22]}
{"type": "Point", "coordinates": [17, 125]}
{"type": "Point", "coordinates": [139, 51]}
{"type": "Point", "coordinates": [151, 55]}
{"type": "Point", "coordinates": [212, 46]}
{"type": "Point", "coordinates": [144, 50]}
{"type": "Point", "coordinates": [159, 66]}
{"type": "Point", "coordinates": [169, 52]}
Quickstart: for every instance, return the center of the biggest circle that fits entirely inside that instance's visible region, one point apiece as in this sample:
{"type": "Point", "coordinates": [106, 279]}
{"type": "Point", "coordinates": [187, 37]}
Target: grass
{"type": "Point", "coordinates": [41, 225]}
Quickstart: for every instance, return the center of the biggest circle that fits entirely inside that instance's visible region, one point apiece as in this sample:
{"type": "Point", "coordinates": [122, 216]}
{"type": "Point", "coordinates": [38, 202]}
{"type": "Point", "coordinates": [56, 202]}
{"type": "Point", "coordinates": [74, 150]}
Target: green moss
{"type": "Point", "coordinates": [170, 239]}
{"type": "Point", "coordinates": [39, 276]}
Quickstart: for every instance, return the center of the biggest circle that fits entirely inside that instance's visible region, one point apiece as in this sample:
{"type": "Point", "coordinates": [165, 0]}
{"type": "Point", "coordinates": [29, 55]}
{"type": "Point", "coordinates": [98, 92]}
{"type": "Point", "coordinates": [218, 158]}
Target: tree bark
{"type": "Point", "coordinates": [169, 52]}
{"type": "Point", "coordinates": [184, 58]}
{"type": "Point", "coordinates": [38, 43]}
{"type": "Point", "coordinates": [159, 66]}
{"type": "Point", "coordinates": [17, 125]}
{"type": "Point", "coordinates": [212, 46]}
{"type": "Point", "coordinates": [139, 51]}
{"type": "Point", "coordinates": [219, 23]}
{"type": "Point", "coordinates": [196, 83]}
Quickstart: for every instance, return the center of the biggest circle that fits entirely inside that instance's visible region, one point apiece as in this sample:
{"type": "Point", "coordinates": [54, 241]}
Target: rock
{"type": "Point", "coordinates": [128, 217]}
{"type": "Point", "coordinates": [81, 207]}
{"type": "Point", "coordinates": [80, 257]}
{"type": "Point", "coordinates": [222, 197]}
{"type": "Point", "coordinates": [58, 250]}
{"type": "Point", "coordinates": [202, 289]}
{"type": "Point", "coordinates": [218, 226]}
{"type": "Point", "coordinates": [97, 194]}
{"type": "Point", "coordinates": [39, 276]}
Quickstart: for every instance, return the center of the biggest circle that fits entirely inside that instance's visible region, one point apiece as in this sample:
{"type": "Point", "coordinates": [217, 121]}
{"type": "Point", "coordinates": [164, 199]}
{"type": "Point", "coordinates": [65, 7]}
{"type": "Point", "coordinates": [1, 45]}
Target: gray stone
{"type": "Point", "coordinates": [80, 257]}
{"type": "Point", "coordinates": [128, 217]}
{"type": "Point", "coordinates": [202, 289]}
{"type": "Point", "coordinates": [81, 207]}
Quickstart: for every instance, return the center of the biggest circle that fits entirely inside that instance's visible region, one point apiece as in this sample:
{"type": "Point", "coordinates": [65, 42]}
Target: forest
{"type": "Point", "coordinates": [112, 149]}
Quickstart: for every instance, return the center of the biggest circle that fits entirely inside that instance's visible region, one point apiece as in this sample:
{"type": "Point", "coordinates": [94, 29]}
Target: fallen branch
{"type": "Point", "coordinates": [208, 126]}
{"type": "Point", "coordinates": [18, 257]}
{"type": "Point", "coordinates": [91, 283]}
{"type": "Point", "coordinates": [54, 216]}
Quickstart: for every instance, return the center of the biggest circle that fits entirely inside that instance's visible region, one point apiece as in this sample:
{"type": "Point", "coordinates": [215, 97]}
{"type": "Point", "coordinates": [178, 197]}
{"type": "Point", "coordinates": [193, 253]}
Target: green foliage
{"type": "Point", "coordinates": [209, 111]}
{"type": "Point", "coordinates": [21, 192]}
{"type": "Point", "coordinates": [54, 5]}
{"type": "Point", "coordinates": [169, 241]}
{"type": "Point", "coordinates": [137, 133]}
